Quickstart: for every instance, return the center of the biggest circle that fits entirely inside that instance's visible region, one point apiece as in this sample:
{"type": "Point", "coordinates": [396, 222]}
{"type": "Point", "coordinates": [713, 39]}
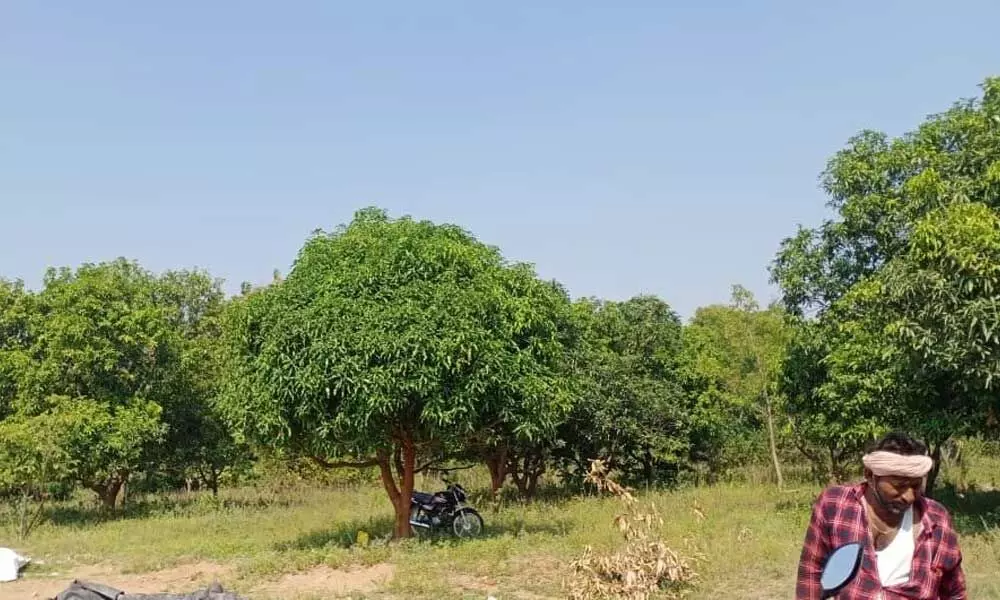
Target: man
{"type": "Point", "coordinates": [911, 549]}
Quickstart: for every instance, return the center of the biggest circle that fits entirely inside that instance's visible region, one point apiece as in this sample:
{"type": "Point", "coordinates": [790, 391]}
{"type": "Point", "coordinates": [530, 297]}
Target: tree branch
{"type": "Point", "coordinates": [427, 465]}
{"type": "Point", "coordinates": [36, 519]}
{"type": "Point", "coordinates": [338, 464]}
{"type": "Point", "coordinates": [806, 452]}
{"type": "Point", "coordinates": [388, 481]}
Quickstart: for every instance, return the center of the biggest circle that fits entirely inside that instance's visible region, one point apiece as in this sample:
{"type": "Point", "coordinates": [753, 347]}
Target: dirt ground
{"type": "Point", "coordinates": [318, 581]}
{"type": "Point", "coordinates": [326, 582]}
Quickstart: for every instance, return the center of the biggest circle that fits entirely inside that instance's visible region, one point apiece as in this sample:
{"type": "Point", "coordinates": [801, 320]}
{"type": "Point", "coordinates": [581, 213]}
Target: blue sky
{"type": "Point", "coordinates": [624, 148]}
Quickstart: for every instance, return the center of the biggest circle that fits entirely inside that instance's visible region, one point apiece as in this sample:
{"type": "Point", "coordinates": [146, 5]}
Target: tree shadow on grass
{"type": "Point", "coordinates": [973, 511]}
{"type": "Point", "coordinates": [345, 534]}
{"type": "Point", "coordinates": [341, 535]}
{"type": "Point", "coordinates": [548, 496]}
{"type": "Point", "coordinates": [90, 514]}
{"type": "Point", "coordinates": [513, 525]}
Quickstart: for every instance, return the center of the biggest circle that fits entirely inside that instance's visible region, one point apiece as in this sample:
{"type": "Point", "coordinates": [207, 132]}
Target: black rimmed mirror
{"type": "Point", "coordinates": [841, 567]}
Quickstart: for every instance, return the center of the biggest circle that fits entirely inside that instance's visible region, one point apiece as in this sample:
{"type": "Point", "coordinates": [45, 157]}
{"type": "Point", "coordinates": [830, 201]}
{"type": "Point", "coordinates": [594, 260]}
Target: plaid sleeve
{"type": "Point", "coordinates": [949, 559]}
{"type": "Point", "coordinates": [814, 551]}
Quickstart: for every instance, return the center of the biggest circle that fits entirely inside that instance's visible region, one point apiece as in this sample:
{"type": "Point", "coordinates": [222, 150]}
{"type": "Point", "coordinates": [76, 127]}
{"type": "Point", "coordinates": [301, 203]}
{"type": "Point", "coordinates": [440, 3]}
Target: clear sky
{"type": "Point", "coordinates": [623, 147]}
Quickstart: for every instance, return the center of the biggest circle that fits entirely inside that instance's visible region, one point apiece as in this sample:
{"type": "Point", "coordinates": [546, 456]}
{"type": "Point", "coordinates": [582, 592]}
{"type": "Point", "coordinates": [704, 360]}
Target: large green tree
{"type": "Point", "coordinates": [836, 396]}
{"type": "Point", "coordinates": [920, 338]}
{"type": "Point", "coordinates": [526, 458]}
{"type": "Point", "coordinates": [97, 348]}
{"type": "Point", "coordinates": [392, 338]}
{"type": "Point", "coordinates": [733, 356]}
{"type": "Point", "coordinates": [199, 446]}
{"type": "Point", "coordinates": [881, 293]}
{"type": "Point", "coordinates": [631, 410]}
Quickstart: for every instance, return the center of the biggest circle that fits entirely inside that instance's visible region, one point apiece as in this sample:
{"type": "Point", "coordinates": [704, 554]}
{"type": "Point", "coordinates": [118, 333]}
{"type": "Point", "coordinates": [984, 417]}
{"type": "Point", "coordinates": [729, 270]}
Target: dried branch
{"type": "Point", "coordinates": [644, 566]}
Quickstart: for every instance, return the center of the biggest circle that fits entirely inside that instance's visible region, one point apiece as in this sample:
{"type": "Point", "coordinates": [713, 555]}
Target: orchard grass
{"type": "Point", "coordinates": [749, 533]}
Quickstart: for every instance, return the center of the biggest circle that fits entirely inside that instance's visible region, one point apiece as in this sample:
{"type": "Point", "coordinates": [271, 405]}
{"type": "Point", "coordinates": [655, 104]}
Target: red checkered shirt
{"type": "Point", "coordinates": [839, 517]}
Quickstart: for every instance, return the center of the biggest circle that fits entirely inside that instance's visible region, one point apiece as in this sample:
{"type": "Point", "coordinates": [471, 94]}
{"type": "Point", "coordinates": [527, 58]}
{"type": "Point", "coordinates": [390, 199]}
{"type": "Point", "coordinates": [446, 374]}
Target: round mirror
{"type": "Point", "coordinates": [841, 567]}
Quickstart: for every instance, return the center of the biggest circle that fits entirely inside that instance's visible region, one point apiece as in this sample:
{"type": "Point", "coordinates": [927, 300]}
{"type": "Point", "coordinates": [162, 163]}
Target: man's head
{"type": "Point", "coordinates": [896, 470]}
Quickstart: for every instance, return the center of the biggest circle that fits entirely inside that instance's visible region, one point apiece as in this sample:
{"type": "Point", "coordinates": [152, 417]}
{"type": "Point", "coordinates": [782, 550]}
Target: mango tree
{"type": "Point", "coordinates": [879, 188]}
{"type": "Point", "coordinates": [929, 320]}
{"type": "Point", "coordinates": [199, 446]}
{"type": "Point", "coordinates": [832, 414]}
{"type": "Point", "coordinates": [630, 410]}
{"type": "Point", "coordinates": [525, 458]}
{"type": "Point", "coordinates": [99, 351]}
{"type": "Point", "coordinates": [883, 311]}
{"type": "Point", "coordinates": [389, 340]}
{"type": "Point", "coordinates": [735, 352]}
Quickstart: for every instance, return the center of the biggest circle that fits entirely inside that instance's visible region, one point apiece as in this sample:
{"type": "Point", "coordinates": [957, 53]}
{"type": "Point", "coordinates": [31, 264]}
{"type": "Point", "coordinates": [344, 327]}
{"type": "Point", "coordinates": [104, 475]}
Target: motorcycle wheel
{"type": "Point", "coordinates": [467, 524]}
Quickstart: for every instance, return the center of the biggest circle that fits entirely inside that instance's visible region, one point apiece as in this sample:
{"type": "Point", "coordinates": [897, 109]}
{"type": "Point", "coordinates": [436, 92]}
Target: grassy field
{"type": "Point", "coordinates": [749, 533]}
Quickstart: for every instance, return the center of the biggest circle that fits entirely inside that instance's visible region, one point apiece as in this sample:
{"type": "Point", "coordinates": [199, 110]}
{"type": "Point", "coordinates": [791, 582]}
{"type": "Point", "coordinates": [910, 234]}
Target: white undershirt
{"type": "Point", "coordinates": [896, 559]}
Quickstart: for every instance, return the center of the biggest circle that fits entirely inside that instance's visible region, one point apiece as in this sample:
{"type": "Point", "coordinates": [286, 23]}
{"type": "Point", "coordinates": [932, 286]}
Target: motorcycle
{"type": "Point", "coordinates": [445, 510]}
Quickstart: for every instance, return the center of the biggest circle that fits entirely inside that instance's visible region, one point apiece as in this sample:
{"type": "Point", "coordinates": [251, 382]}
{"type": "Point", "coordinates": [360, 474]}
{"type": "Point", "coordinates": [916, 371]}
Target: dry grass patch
{"type": "Point", "coordinates": [644, 565]}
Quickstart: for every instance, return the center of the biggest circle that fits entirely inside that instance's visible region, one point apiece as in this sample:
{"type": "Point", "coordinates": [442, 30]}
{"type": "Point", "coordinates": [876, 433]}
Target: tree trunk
{"type": "Point", "coordinates": [647, 466]}
{"type": "Point", "coordinates": [28, 520]}
{"type": "Point", "coordinates": [815, 458]}
{"type": "Point", "coordinates": [532, 488]}
{"type": "Point", "coordinates": [406, 490]}
{"type": "Point", "coordinates": [213, 480]}
{"type": "Point", "coordinates": [210, 474]}
{"type": "Point", "coordinates": [496, 461]}
{"type": "Point", "coordinates": [836, 474]}
{"type": "Point", "coordinates": [108, 490]}
{"type": "Point", "coordinates": [399, 493]}
{"type": "Point", "coordinates": [517, 476]}
{"type": "Point", "coordinates": [525, 472]}
{"type": "Point", "coordinates": [773, 442]}
{"type": "Point", "coordinates": [23, 516]}
{"type": "Point", "coordinates": [397, 460]}
{"type": "Point", "coordinates": [936, 469]}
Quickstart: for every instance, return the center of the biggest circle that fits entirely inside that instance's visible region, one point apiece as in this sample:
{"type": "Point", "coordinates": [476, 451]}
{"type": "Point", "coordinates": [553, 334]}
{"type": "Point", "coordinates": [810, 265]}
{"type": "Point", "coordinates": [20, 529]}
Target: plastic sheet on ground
{"type": "Point", "coordinates": [11, 564]}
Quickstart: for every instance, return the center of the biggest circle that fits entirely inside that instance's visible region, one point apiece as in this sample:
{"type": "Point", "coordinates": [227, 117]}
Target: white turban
{"type": "Point", "coordinates": [883, 463]}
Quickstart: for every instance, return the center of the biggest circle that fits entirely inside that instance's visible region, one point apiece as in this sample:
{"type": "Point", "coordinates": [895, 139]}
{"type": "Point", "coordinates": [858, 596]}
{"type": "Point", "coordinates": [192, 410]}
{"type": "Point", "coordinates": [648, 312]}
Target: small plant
{"type": "Point", "coordinates": [33, 459]}
{"type": "Point", "coordinates": [643, 567]}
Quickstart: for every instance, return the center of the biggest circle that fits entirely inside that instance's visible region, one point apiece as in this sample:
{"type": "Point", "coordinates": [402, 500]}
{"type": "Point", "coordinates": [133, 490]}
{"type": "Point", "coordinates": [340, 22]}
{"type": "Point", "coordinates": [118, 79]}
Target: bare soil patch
{"type": "Point", "coordinates": [326, 581]}
{"type": "Point", "coordinates": [181, 578]}
{"type": "Point", "coordinates": [321, 581]}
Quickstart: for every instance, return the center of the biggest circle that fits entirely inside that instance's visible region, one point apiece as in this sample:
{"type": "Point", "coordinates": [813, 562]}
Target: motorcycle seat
{"type": "Point", "coordinates": [422, 498]}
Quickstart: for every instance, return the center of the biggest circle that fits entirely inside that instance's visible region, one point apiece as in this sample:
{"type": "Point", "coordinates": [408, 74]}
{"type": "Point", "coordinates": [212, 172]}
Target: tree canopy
{"type": "Point", "coordinates": [393, 337]}
{"type": "Point", "coordinates": [881, 187]}
{"type": "Point", "coordinates": [121, 357]}
{"type": "Point", "coordinates": [898, 287]}
{"type": "Point", "coordinates": [630, 410]}
{"type": "Point", "coordinates": [732, 357]}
